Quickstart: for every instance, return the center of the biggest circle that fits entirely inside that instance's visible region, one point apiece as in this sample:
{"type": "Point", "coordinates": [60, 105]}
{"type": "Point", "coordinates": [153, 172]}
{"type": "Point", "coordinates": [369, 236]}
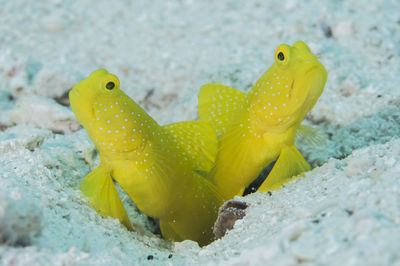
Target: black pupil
{"type": "Point", "coordinates": [281, 57]}
{"type": "Point", "coordinates": [110, 85]}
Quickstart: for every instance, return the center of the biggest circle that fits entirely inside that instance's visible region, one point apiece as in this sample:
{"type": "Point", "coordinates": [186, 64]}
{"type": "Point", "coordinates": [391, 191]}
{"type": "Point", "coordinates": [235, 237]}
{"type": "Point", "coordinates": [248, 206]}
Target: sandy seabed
{"type": "Point", "coordinates": [346, 211]}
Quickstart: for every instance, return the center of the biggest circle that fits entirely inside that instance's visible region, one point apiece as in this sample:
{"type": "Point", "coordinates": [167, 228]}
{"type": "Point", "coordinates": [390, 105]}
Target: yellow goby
{"type": "Point", "coordinates": [257, 127]}
{"type": "Point", "coordinates": [157, 166]}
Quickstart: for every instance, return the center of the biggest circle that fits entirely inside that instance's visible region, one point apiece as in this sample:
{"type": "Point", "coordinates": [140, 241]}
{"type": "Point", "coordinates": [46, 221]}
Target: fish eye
{"type": "Point", "coordinates": [281, 56]}
{"type": "Point", "coordinates": [110, 85]}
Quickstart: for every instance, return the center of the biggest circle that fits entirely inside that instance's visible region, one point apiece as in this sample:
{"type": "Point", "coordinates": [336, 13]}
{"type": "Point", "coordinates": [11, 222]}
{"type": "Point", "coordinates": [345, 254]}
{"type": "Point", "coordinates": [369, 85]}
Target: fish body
{"type": "Point", "coordinates": [157, 166]}
{"type": "Point", "coordinates": [257, 127]}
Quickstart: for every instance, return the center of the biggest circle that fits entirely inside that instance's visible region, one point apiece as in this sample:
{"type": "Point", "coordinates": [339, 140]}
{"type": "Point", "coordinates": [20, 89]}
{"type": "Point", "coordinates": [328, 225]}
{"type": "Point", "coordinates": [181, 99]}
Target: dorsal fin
{"type": "Point", "coordinates": [198, 140]}
{"type": "Point", "coordinates": [219, 104]}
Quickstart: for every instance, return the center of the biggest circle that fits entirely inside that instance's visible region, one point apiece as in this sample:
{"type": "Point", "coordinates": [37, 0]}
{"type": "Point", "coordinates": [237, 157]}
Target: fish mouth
{"type": "Point", "coordinates": [80, 106]}
{"type": "Point", "coordinates": [315, 79]}
{"type": "Point", "coordinates": [74, 98]}
{"type": "Point", "coordinates": [317, 76]}
{"type": "Point", "coordinates": [74, 91]}
{"type": "Point", "coordinates": [73, 95]}
{"type": "Point", "coordinates": [315, 69]}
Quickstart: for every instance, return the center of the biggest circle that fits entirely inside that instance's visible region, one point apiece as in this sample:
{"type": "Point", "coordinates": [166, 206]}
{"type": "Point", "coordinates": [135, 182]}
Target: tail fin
{"type": "Point", "coordinates": [290, 163]}
{"type": "Point", "coordinates": [103, 195]}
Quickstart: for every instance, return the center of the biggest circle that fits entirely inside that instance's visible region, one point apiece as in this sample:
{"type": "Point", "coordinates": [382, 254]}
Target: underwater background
{"type": "Point", "coordinates": [347, 209]}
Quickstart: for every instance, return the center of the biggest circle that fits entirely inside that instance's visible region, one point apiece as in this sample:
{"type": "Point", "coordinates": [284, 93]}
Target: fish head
{"type": "Point", "coordinates": [289, 89]}
{"type": "Point", "coordinates": [114, 122]}
{"type": "Point", "coordinates": [99, 87]}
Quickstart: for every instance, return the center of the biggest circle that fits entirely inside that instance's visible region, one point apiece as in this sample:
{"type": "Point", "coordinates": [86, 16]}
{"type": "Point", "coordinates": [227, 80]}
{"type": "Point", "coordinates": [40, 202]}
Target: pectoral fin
{"type": "Point", "coordinates": [289, 164]}
{"type": "Point", "coordinates": [99, 187]}
{"type": "Point", "coordinates": [310, 135]}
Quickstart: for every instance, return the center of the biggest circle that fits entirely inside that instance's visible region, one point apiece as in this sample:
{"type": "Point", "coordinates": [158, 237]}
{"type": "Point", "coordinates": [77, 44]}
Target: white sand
{"type": "Point", "coordinates": [345, 212]}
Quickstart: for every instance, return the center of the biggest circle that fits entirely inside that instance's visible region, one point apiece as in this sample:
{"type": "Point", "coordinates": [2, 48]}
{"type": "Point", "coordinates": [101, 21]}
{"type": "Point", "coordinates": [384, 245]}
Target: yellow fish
{"type": "Point", "coordinates": [256, 128]}
{"type": "Point", "coordinates": [157, 166]}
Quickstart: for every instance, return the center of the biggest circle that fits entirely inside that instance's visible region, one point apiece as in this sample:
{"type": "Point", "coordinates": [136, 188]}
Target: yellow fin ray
{"type": "Point", "coordinates": [219, 104]}
{"type": "Point", "coordinates": [103, 195]}
{"type": "Point", "coordinates": [290, 163]}
{"type": "Point", "coordinates": [197, 140]}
